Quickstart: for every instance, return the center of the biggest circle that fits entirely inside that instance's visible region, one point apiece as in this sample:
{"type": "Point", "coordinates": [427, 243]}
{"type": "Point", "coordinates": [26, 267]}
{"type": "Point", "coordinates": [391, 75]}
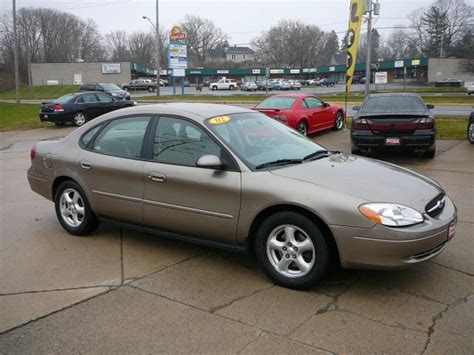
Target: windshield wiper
{"type": "Point", "coordinates": [279, 162]}
{"type": "Point", "coordinates": [320, 154]}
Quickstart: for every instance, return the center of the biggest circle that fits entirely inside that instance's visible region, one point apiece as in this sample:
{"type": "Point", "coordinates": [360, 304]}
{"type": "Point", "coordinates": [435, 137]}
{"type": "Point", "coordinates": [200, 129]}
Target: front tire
{"type": "Point", "coordinates": [73, 210]}
{"type": "Point", "coordinates": [151, 89]}
{"type": "Point", "coordinates": [470, 132]}
{"type": "Point", "coordinates": [79, 118]}
{"type": "Point", "coordinates": [292, 250]}
{"type": "Point", "coordinates": [231, 87]}
{"type": "Point", "coordinates": [214, 88]}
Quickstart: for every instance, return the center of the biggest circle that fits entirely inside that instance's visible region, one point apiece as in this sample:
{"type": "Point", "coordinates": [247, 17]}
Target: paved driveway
{"type": "Point", "coordinates": [123, 291]}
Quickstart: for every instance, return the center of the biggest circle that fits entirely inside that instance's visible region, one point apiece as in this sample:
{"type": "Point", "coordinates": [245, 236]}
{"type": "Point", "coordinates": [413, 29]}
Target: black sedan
{"type": "Point", "coordinates": [394, 121]}
{"type": "Point", "coordinates": [80, 107]}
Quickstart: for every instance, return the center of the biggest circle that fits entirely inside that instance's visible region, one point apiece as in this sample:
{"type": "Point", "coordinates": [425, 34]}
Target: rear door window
{"type": "Point", "coordinates": [104, 97]}
{"type": "Point", "coordinates": [89, 98]}
{"type": "Point", "coordinates": [123, 137]}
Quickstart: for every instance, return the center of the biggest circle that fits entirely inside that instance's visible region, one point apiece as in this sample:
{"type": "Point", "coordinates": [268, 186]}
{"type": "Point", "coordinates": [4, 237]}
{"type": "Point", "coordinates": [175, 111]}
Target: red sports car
{"type": "Point", "coordinates": [304, 112]}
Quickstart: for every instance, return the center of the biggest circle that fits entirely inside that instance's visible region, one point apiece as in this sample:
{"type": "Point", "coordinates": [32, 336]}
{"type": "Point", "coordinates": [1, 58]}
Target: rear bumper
{"type": "Point", "coordinates": [56, 116]}
{"type": "Point", "coordinates": [381, 247]}
{"type": "Point", "coordinates": [366, 138]}
{"type": "Point", "coordinates": [39, 183]}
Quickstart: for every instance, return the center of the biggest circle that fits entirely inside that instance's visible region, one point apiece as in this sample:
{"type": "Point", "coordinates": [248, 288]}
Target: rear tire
{"type": "Point", "coordinates": [73, 210]}
{"type": "Point", "coordinates": [214, 88]}
{"type": "Point", "coordinates": [302, 127]}
{"type": "Point", "coordinates": [339, 121]}
{"type": "Point", "coordinates": [429, 153]}
{"type": "Point", "coordinates": [79, 119]}
{"type": "Point", "coordinates": [292, 250]}
{"type": "Point", "coordinates": [231, 87]}
{"type": "Point", "coordinates": [470, 131]}
{"type": "Point", "coordinates": [151, 89]}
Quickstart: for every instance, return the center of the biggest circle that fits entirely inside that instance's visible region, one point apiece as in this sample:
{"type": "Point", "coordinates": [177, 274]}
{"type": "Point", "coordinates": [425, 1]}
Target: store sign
{"type": "Point", "coordinates": [415, 62]}
{"type": "Point", "coordinates": [177, 50]}
{"type": "Point", "coordinates": [294, 71]}
{"type": "Point", "coordinates": [179, 73]}
{"type": "Point", "coordinates": [381, 77]}
{"type": "Point", "coordinates": [111, 68]}
{"type": "Point", "coordinates": [399, 64]}
{"type": "Point", "coordinates": [77, 79]}
{"type": "Point", "coordinates": [255, 71]}
{"type": "Point", "coordinates": [332, 68]}
{"type": "Point", "coordinates": [177, 35]}
{"type": "Point", "coordinates": [276, 71]}
{"type": "Point", "coordinates": [222, 71]}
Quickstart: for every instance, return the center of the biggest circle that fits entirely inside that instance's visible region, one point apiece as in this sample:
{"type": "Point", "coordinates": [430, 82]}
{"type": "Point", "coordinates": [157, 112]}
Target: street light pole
{"type": "Point", "coordinates": [15, 56]}
{"type": "Point", "coordinates": [158, 56]}
{"type": "Point", "coordinates": [369, 45]}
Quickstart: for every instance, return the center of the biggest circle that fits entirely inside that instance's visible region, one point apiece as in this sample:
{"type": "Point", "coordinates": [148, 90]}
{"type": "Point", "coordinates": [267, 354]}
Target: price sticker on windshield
{"type": "Point", "coordinates": [219, 120]}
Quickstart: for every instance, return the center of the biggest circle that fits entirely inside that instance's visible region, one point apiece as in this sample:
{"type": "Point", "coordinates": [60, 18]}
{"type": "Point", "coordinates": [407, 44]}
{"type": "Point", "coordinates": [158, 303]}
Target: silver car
{"type": "Point", "coordinates": [234, 178]}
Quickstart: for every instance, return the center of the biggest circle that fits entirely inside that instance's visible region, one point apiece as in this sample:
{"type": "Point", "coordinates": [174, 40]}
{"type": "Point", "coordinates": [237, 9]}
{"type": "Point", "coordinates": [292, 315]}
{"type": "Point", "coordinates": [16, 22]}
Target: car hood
{"type": "Point", "coordinates": [367, 179]}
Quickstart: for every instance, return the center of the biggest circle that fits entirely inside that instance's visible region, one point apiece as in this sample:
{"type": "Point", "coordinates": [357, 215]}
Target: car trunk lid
{"type": "Point", "coordinates": [394, 124]}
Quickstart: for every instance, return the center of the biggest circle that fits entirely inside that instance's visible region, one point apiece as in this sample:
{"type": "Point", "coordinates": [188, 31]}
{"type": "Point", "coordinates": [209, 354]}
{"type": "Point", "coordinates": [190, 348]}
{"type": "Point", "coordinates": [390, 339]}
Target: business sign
{"type": "Point", "coordinates": [255, 71]}
{"type": "Point", "coordinates": [111, 68]}
{"type": "Point", "coordinates": [178, 36]}
{"type": "Point", "coordinates": [352, 38]}
{"type": "Point", "coordinates": [415, 62]}
{"type": "Point", "coordinates": [294, 71]}
{"type": "Point", "coordinates": [399, 64]}
{"type": "Point", "coordinates": [222, 71]}
{"type": "Point", "coordinates": [177, 50]}
{"type": "Point", "coordinates": [381, 77]}
{"type": "Point", "coordinates": [179, 73]}
{"type": "Point", "coordinates": [332, 68]}
{"type": "Point", "coordinates": [276, 71]}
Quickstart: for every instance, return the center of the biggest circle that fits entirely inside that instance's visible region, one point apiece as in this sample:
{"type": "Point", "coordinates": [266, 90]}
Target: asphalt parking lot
{"type": "Point", "coordinates": [124, 291]}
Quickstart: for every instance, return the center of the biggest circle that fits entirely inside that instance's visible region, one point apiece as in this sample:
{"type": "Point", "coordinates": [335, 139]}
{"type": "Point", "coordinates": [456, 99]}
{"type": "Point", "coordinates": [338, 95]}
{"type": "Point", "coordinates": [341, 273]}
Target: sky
{"type": "Point", "coordinates": [242, 20]}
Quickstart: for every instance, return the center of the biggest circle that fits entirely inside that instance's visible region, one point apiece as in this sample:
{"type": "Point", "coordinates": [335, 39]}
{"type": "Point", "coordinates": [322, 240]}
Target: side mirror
{"type": "Point", "coordinates": [325, 104]}
{"type": "Point", "coordinates": [430, 106]}
{"type": "Point", "coordinates": [209, 161]}
{"type": "Point", "coordinates": [356, 108]}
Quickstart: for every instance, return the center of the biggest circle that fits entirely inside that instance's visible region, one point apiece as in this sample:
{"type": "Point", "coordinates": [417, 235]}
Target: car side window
{"type": "Point", "coordinates": [89, 98]}
{"type": "Point", "coordinates": [104, 97]}
{"type": "Point", "coordinates": [80, 100]}
{"type": "Point", "coordinates": [86, 138]}
{"type": "Point", "coordinates": [180, 142]}
{"type": "Point", "coordinates": [99, 88]}
{"type": "Point", "coordinates": [123, 137]}
{"type": "Point", "coordinates": [312, 102]}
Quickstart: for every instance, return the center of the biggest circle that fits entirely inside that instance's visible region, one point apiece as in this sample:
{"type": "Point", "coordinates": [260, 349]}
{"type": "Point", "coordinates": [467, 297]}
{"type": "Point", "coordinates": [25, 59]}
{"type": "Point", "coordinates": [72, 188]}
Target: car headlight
{"type": "Point", "coordinates": [391, 215]}
{"type": "Point", "coordinates": [115, 94]}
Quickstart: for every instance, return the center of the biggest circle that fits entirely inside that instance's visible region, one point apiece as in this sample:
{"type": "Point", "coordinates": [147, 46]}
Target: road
{"type": "Point", "coordinates": [121, 291]}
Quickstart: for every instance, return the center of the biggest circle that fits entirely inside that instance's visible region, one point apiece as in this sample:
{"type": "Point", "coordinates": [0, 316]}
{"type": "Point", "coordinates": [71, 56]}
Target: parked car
{"type": "Point", "coordinates": [451, 82]}
{"type": "Point", "coordinates": [326, 82]}
{"type": "Point", "coordinates": [280, 84]}
{"type": "Point", "coordinates": [470, 128]}
{"type": "Point", "coordinates": [294, 84]}
{"type": "Point", "coordinates": [394, 121]}
{"type": "Point", "coordinates": [303, 112]}
{"type": "Point", "coordinates": [248, 86]}
{"type": "Point", "coordinates": [357, 79]}
{"type": "Point", "coordinates": [108, 88]}
{"type": "Point", "coordinates": [264, 85]}
{"type": "Point", "coordinates": [80, 107]}
{"type": "Point", "coordinates": [243, 182]}
{"type": "Point", "coordinates": [470, 88]}
{"type": "Point", "coordinates": [140, 84]}
{"type": "Point", "coordinates": [311, 82]}
{"type": "Point", "coordinates": [223, 84]}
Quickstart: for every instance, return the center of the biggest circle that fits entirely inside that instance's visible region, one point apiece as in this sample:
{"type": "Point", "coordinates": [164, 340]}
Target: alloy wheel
{"type": "Point", "coordinates": [302, 128]}
{"type": "Point", "coordinates": [79, 119]}
{"type": "Point", "coordinates": [471, 132]}
{"type": "Point", "coordinates": [72, 207]}
{"type": "Point", "coordinates": [339, 121]}
{"type": "Point", "coordinates": [290, 251]}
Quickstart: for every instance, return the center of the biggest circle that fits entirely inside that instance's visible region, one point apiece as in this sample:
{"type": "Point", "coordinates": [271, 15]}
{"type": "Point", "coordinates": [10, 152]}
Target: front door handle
{"type": "Point", "coordinates": [156, 177]}
{"type": "Point", "coordinates": [86, 165]}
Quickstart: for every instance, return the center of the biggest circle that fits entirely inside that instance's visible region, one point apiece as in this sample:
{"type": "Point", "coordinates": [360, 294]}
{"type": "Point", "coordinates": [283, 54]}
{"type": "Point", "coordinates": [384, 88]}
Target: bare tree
{"type": "Point", "coordinates": [117, 46]}
{"type": "Point", "coordinates": [203, 36]}
{"type": "Point", "coordinates": [291, 43]}
{"type": "Point", "coordinates": [142, 46]}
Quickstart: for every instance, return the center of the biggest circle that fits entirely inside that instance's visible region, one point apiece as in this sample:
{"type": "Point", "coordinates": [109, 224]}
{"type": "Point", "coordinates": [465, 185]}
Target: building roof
{"type": "Point", "coordinates": [239, 50]}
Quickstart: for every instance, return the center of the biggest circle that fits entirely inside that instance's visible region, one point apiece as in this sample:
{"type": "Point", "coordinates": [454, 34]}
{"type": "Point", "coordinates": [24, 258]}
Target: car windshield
{"type": "Point", "coordinates": [63, 99]}
{"type": "Point", "coordinates": [393, 105]}
{"type": "Point", "coordinates": [257, 139]}
{"type": "Point", "coordinates": [281, 102]}
{"type": "Point", "coordinates": [110, 87]}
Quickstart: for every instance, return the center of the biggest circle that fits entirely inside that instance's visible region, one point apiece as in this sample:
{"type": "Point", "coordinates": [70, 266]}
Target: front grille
{"type": "Point", "coordinates": [436, 205]}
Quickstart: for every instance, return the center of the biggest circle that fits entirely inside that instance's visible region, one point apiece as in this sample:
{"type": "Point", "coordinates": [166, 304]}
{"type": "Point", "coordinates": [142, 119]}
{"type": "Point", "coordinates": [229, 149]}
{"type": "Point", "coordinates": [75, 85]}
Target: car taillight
{"type": "Point", "coordinates": [425, 123]}
{"type": "Point", "coordinates": [282, 118]}
{"type": "Point", "coordinates": [360, 123]}
{"type": "Point", "coordinates": [58, 108]}
{"type": "Point", "coordinates": [33, 152]}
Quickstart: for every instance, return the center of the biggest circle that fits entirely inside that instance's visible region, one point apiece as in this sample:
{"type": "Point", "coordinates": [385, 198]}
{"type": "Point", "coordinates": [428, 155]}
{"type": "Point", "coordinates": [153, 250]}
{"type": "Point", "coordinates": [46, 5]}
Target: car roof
{"type": "Point", "coordinates": [197, 111]}
{"type": "Point", "coordinates": [394, 94]}
{"type": "Point", "coordinates": [297, 95]}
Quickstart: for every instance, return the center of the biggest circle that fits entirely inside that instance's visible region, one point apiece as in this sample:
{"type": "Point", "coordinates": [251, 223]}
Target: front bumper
{"type": "Point", "coordinates": [419, 138]}
{"type": "Point", "coordinates": [383, 247]}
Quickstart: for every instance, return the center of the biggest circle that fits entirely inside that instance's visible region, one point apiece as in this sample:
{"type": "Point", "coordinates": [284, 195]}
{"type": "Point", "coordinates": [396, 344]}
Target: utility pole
{"type": "Point", "coordinates": [370, 7]}
{"type": "Point", "coordinates": [15, 56]}
{"type": "Point", "coordinates": [158, 49]}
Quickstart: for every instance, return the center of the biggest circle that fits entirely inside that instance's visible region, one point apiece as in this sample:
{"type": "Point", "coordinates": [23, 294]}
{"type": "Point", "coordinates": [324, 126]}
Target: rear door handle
{"type": "Point", "coordinates": [86, 165]}
{"type": "Point", "coordinates": [156, 177]}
